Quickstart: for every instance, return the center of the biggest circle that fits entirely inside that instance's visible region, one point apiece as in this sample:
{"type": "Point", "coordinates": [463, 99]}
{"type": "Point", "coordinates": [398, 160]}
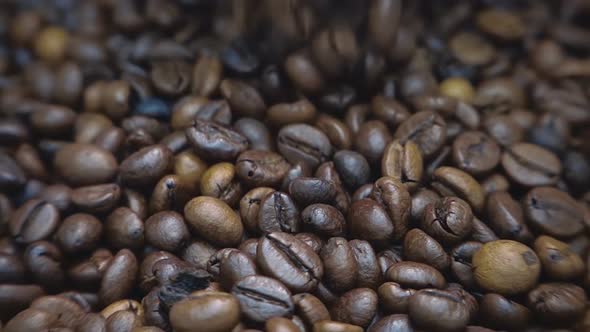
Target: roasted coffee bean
{"type": "Point", "coordinates": [220, 181]}
{"type": "Point", "coordinates": [101, 198]}
{"type": "Point", "coordinates": [28, 158]}
{"type": "Point", "coordinates": [495, 182]}
{"type": "Point", "coordinates": [501, 313]}
{"type": "Point", "coordinates": [78, 233]}
{"type": "Point", "coordinates": [394, 196]}
{"type": "Point", "coordinates": [352, 167]}
{"type": "Point", "coordinates": [31, 320]}
{"type": "Point", "coordinates": [312, 240]}
{"type": "Point", "coordinates": [211, 311]}
{"type": "Point", "coordinates": [44, 260]}
{"type": "Point", "coordinates": [340, 266]}
{"type": "Point", "coordinates": [278, 213]}
{"type": "Point", "coordinates": [207, 73]}
{"type": "Point", "coordinates": [234, 266]}
{"type": "Point", "coordinates": [389, 111]}
{"type": "Point", "coordinates": [310, 308]}
{"type": "Point", "coordinates": [262, 298]}
{"type": "Point", "coordinates": [475, 153]}
{"type": "Point", "coordinates": [85, 164]}
{"type": "Point", "coordinates": [530, 165]}
{"type": "Point", "coordinates": [372, 138]}
{"type": "Point", "coordinates": [450, 181]}
{"type": "Point", "coordinates": [393, 298]}
{"type": "Point", "coordinates": [261, 168]}
{"type": "Point", "coordinates": [146, 166]}
{"type": "Point", "coordinates": [170, 193]}
{"type": "Point", "coordinates": [171, 78]}
{"type": "Point", "coordinates": [250, 206]}
{"type": "Point", "coordinates": [167, 231]}
{"type": "Point", "coordinates": [304, 143]}
{"type": "Point", "coordinates": [415, 275]}
{"type": "Point", "coordinates": [215, 142]}
{"type": "Point", "coordinates": [438, 310]}
{"type": "Point", "coordinates": [336, 130]}
{"type": "Point", "coordinates": [15, 298]}
{"type": "Point", "coordinates": [124, 229]}
{"type": "Point", "coordinates": [334, 326]}
{"type": "Point", "coordinates": [324, 220]}
{"type": "Point", "coordinates": [420, 247]}
{"type": "Point", "coordinates": [461, 262]}
{"type": "Point", "coordinates": [368, 220]}
{"type": "Point", "coordinates": [68, 312]}
{"type": "Point", "coordinates": [304, 73]}
{"type": "Point", "coordinates": [427, 129]}
{"type": "Point", "coordinates": [448, 220]}
{"type": "Point", "coordinates": [384, 19]}
{"type": "Point", "coordinates": [403, 162]}
{"type": "Point", "coordinates": [557, 302]}
{"type": "Point", "coordinates": [506, 267]}
{"type": "Point", "coordinates": [307, 191]}
{"type": "Point", "coordinates": [257, 134]}
{"type": "Point", "coordinates": [288, 113]}
{"type": "Point", "coordinates": [557, 260]}
{"type": "Point", "coordinates": [290, 260]}
{"type": "Point", "coordinates": [357, 307]}
{"type": "Point", "coordinates": [119, 277]}
{"type": "Point", "coordinates": [214, 220]}
{"type": "Point", "coordinates": [397, 322]}
{"type": "Point", "coordinates": [506, 217]}
{"type": "Point", "coordinates": [554, 212]}
{"type": "Point", "coordinates": [243, 98]}
{"type": "Point", "coordinates": [34, 220]}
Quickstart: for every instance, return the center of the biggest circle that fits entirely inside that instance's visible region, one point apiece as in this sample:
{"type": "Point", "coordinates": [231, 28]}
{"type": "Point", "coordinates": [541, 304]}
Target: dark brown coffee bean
{"type": "Point", "coordinates": [372, 138]}
{"type": "Point", "coordinates": [368, 220]}
{"type": "Point", "coordinates": [147, 269]}
{"type": "Point", "coordinates": [31, 320]}
{"type": "Point", "coordinates": [495, 182]}
{"type": "Point", "coordinates": [214, 220]}
{"type": "Point", "coordinates": [304, 143]}
{"type": "Point", "coordinates": [28, 158]}
{"type": "Point", "coordinates": [278, 213]}
{"type": "Point", "coordinates": [220, 181]}
{"type": "Point", "coordinates": [68, 312]}
{"type": "Point", "coordinates": [198, 254]}
{"type": "Point", "coordinates": [340, 266]}
{"type": "Point", "coordinates": [352, 167]}
{"type": "Point", "coordinates": [307, 191]}
{"type": "Point", "coordinates": [119, 277]}
{"type": "Point", "coordinates": [427, 129]}
{"type": "Point", "coordinates": [530, 165]}
{"type": "Point", "coordinates": [324, 220]}
{"type": "Point", "coordinates": [212, 311]}
{"type": "Point", "coordinates": [415, 275]}
{"type": "Point", "coordinates": [438, 310]}
{"type": "Point", "coordinates": [310, 308]}
{"type": "Point", "coordinates": [115, 99]}
{"type": "Point", "coordinates": [44, 260]}
{"type": "Point", "coordinates": [85, 164]}
{"type": "Point", "coordinates": [257, 134]}
{"type": "Point", "coordinates": [262, 298]}
{"type": "Point", "coordinates": [312, 240]}
{"type": "Point", "coordinates": [501, 313]}
{"type": "Point", "coordinates": [78, 233]}
{"type": "Point", "coordinates": [88, 273]}
{"type": "Point", "coordinates": [215, 142]}
{"type": "Point", "coordinates": [15, 298]}
{"type": "Point", "coordinates": [261, 168]}
{"type": "Point", "coordinates": [557, 302]}
{"type": "Point", "coordinates": [207, 73]}
{"type": "Point", "coordinates": [170, 193]}
{"type": "Point", "coordinates": [167, 231]}
{"type": "Point", "coordinates": [290, 260]}
{"type": "Point", "coordinates": [395, 198]}
{"type": "Point", "coordinates": [171, 78]}
{"type": "Point", "coordinates": [33, 221]}
{"type": "Point", "coordinates": [250, 206]}
{"type": "Point", "coordinates": [394, 298]}
{"type": "Point", "coordinates": [357, 307]}
{"type": "Point", "coordinates": [422, 198]}
{"type": "Point", "coordinates": [397, 322]}
{"type": "Point", "coordinates": [356, 116]}
{"type": "Point", "coordinates": [336, 130]}
{"type": "Point", "coordinates": [12, 269]}
{"type": "Point", "coordinates": [288, 113]}
{"type": "Point", "coordinates": [506, 217]}
{"type": "Point", "coordinates": [449, 220]}
{"type": "Point", "coordinates": [403, 162]}
{"type": "Point", "coordinates": [475, 153]}
{"type": "Point", "coordinates": [420, 247]}
{"type": "Point", "coordinates": [334, 326]}
{"type": "Point", "coordinates": [553, 212]}
{"type": "Point", "coordinates": [243, 98]}
{"type": "Point", "coordinates": [146, 166]}
{"type": "Point", "coordinates": [303, 72]}
{"type": "Point", "coordinates": [124, 229]}
{"type": "Point", "coordinates": [101, 198]}
{"type": "Point", "coordinates": [450, 181]}
{"type": "Point", "coordinates": [53, 120]}
{"type": "Point", "coordinates": [135, 202]}
{"type": "Point", "coordinates": [384, 19]}
{"type": "Point", "coordinates": [335, 50]}
{"type": "Point", "coordinates": [461, 265]}
{"type": "Point", "coordinates": [558, 261]}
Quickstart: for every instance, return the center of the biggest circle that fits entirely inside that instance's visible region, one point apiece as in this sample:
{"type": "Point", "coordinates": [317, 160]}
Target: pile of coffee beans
{"type": "Point", "coordinates": [294, 165]}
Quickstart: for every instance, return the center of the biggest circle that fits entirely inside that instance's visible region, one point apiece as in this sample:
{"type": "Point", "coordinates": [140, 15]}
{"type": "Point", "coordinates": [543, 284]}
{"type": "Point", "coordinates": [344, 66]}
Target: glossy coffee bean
{"type": "Point", "coordinates": [372, 138]}
{"type": "Point", "coordinates": [450, 181]}
{"type": "Point", "coordinates": [215, 142]}
{"type": "Point", "coordinates": [461, 262]}
{"type": "Point", "coordinates": [250, 206]}
{"type": "Point", "coordinates": [212, 311]}
{"type": "Point", "coordinates": [403, 162]}
{"type": "Point", "coordinates": [214, 220]}
{"type": "Point", "coordinates": [415, 275]}
{"type": "Point", "coordinates": [278, 213]}
{"type": "Point", "coordinates": [78, 233]}
{"type": "Point", "coordinates": [257, 134]}
{"type": "Point", "coordinates": [437, 309]}
{"type": "Point", "coordinates": [427, 129]}
{"type": "Point", "coordinates": [261, 168]}
{"type": "Point", "coordinates": [557, 302]}
{"type": "Point", "coordinates": [394, 196]}
{"type": "Point", "coordinates": [119, 277]}
{"type": "Point", "coordinates": [368, 220]}
{"type": "Point", "coordinates": [501, 313]}
{"type": "Point", "coordinates": [304, 143]}
{"type": "Point", "coordinates": [146, 166]}
{"type": "Point", "coordinates": [506, 218]}
{"type": "Point", "coordinates": [84, 164]}
{"type": "Point", "coordinates": [475, 153]}
{"type": "Point", "coordinates": [123, 228]}
{"type": "Point", "coordinates": [420, 247]}
{"type": "Point", "coordinates": [310, 308]}
{"type": "Point", "coordinates": [340, 266]}
{"type": "Point", "coordinates": [357, 307]}
{"type": "Point", "coordinates": [101, 198]}
{"type": "Point", "coordinates": [220, 181]}
{"type": "Point", "coordinates": [262, 298]}
{"type": "Point", "coordinates": [243, 98]}
{"type": "Point", "coordinates": [307, 191]}
{"type": "Point", "coordinates": [448, 220]}
{"type": "Point", "coordinates": [33, 221]}
{"type": "Point", "coordinates": [324, 220]}
{"type": "Point", "coordinates": [167, 231]}
{"type": "Point", "coordinates": [289, 260]}
{"type": "Point", "coordinates": [397, 322]}
{"type": "Point", "coordinates": [44, 260]}
{"type": "Point", "coordinates": [352, 167]}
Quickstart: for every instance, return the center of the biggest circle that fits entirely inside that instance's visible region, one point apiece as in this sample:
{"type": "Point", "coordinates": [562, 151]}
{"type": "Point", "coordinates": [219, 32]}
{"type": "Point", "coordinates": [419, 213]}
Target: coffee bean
{"type": "Point", "coordinates": [396, 322]}
{"type": "Point", "coordinates": [167, 231]}
{"type": "Point", "coordinates": [304, 143]}
{"type": "Point", "coordinates": [461, 262]}
{"type": "Point", "coordinates": [501, 313]}
{"type": "Point", "coordinates": [278, 213]}
{"type": "Point", "coordinates": [214, 220]}
{"type": "Point", "coordinates": [394, 196]}
{"type": "Point", "coordinates": [303, 72]}
{"type": "Point", "coordinates": [220, 181]}
{"type": "Point", "coordinates": [557, 302]}
{"type": "Point", "coordinates": [336, 130]}
{"type": "Point", "coordinates": [384, 19]}
{"type": "Point", "coordinates": [324, 220]}
{"type": "Point", "coordinates": [79, 232]}
{"type": "Point", "coordinates": [530, 165]}
{"type": "Point", "coordinates": [357, 307]}
{"type": "Point", "coordinates": [250, 206]}
{"type": "Point", "coordinates": [450, 181]}
{"type": "Point", "coordinates": [372, 138]}
{"type": "Point", "coordinates": [85, 164]}
{"type": "Point", "coordinates": [475, 153]}
{"type": "Point", "coordinates": [33, 221]}
{"type": "Point", "coordinates": [557, 260]}
{"type": "Point", "coordinates": [31, 320]}
{"type": "Point", "coordinates": [257, 134]}
{"type": "Point", "coordinates": [394, 298]}
{"type": "Point", "coordinates": [353, 167]}
{"type": "Point", "coordinates": [506, 217]}
{"type": "Point", "coordinates": [340, 266]}
{"type": "Point", "coordinates": [146, 166]}
{"type": "Point", "coordinates": [15, 298]}
{"type": "Point", "coordinates": [215, 142]}
{"type": "Point", "coordinates": [261, 168]}
{"type": "Point", "coordinates": [420, 247]}
{"type": "Point", "coordinates": [427, 129]}
{"type": "Point", "coordinates": [119, 277]}
{"type": "Point", "coordinates": [290, 260]}
{"type": "Point", "coordinates": [289, 113]}
{"type": "Point", "coordinates": [403, 162]}
{"type": "Point", "coordinates": [171, 78]}
{"type": "Point", "coordinates": [207, 73]}
{"type": "Point", "coordinates": [438, 310]}
{"type": "Point", "coordinates": [368, 220]}
{"type": "Point", "coordinates": [310, 308]}
{"type": "Point", "coordinates": [68, 312]}
{"type": "Point", "coordinates": [334, 326]}
{"type": "Point", "coordinates": [124, 229]}
{"type": "Point", "coordinates": [212, 311]}
{"type": "Point", "coordinates": [307, 191]}
{"type": "Point", "coordinates": [448, 220]}
{"type": "Point", "coordinates": [170, 193]}
{"type": "Point", "coordinates": [101, 198]}
{"type": "Point", "coordinates": [262, 298]}
{"type": "Point", "coordinates": [243, 98]}
{"type": "Point", "coordinates": [553, 212]}
{"type": "Point", "coordinates": [234, 266]}
{"type": "Point", "coordinates": [506, 267]}
{"type": "Point", "coordinates": [415, 275]}
{"type": "Point", "coordinates": [44, 260]}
